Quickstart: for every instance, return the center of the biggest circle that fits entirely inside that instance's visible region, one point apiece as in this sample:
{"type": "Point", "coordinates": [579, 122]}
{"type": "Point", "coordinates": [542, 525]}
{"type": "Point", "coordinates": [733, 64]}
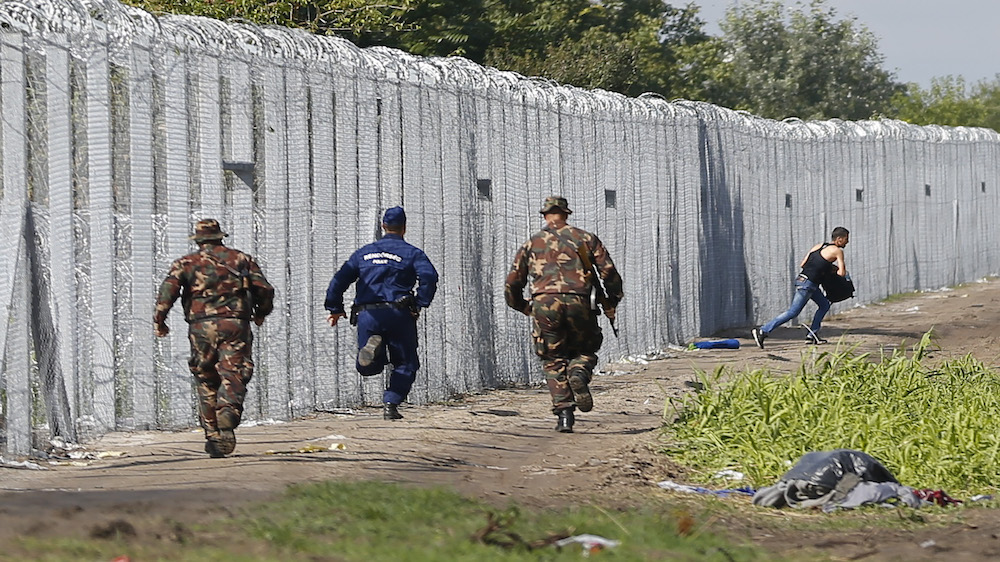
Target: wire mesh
{"type": "Point", "coordinates": [121, 129]}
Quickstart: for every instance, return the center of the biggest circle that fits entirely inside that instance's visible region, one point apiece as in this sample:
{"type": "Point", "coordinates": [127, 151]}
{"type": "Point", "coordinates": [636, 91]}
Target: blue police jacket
{"type": "Point", "coordinates": [386, 270]}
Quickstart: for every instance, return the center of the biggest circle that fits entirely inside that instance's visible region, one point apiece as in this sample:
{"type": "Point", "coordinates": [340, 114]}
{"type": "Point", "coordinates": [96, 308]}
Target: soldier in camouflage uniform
{"type": "Point", "coordinates": [560, 260]}
{"type": "Point", "coordinates": [222, 290]}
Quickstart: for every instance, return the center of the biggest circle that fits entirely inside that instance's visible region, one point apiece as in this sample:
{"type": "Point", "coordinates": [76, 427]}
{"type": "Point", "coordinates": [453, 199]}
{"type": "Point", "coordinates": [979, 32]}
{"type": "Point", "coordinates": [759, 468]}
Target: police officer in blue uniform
{"type": "Point", "coordinates": [385, 307]}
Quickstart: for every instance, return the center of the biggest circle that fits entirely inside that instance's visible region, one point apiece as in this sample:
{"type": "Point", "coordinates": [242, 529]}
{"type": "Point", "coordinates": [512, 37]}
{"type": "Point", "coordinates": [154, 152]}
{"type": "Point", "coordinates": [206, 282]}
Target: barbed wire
{"type": "Point", "coordinates": [88, 20]}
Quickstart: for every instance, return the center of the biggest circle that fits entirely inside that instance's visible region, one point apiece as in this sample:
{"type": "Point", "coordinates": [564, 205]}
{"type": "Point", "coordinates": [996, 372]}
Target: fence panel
{"type": "Point", "coordinates": [120, 132]}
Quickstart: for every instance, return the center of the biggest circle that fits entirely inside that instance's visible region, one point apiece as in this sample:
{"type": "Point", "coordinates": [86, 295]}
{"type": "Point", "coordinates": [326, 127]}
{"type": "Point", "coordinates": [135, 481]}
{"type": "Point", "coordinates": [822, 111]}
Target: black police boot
{"type": "Point", "coordinates": [391, 412]}
{"type": "Point", "coordinates": [566, 421]}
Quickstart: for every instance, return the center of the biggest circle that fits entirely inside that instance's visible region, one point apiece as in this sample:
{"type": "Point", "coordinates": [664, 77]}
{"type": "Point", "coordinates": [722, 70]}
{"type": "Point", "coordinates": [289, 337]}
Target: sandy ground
{"type": "Point", "coordinates": [497, 446]}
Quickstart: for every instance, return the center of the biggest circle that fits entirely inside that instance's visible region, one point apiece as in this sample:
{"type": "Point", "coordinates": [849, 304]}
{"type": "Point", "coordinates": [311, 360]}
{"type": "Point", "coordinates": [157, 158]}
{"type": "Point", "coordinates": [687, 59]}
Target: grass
{"type": "Point", "coordinates": [899, 297]}
{"type": "Point", "coordinates": [368, 521]}
{"type": "Point", "coordinates": [930, 425]}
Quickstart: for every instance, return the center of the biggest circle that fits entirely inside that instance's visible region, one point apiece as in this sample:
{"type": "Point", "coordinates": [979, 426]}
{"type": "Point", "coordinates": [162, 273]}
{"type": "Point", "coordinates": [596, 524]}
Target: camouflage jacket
{"type": "Point", "coordinates": [550, 258]}
{"type": "Point", "coordinates": [210, 289]}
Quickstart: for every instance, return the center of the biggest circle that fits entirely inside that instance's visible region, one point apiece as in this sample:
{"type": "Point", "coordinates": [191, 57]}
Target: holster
{"type": "Point", "coordinates": [354, 316]}
{"type": "Point", "coordinates": [409, 302]}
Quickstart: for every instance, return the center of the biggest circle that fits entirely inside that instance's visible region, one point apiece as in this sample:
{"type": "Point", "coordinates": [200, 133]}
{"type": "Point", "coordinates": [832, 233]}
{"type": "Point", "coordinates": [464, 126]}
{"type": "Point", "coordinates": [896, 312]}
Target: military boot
{"type": "Point", "coordinates": [391, 412]}
{"type": "Point", "coordinates": [566, 421]}
{"type": "Point", "coordinates": [212, 448]}
{"type": "Point", "coordinates": [212, 444]}
{"type": "Point", "coordinates": [578, 379]}
{"type": "Point", "coordinates": [228, 420]}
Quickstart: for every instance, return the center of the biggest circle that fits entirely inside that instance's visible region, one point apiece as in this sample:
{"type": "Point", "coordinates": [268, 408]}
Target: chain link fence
{"type": "Point", "coordinates": [120, 130]}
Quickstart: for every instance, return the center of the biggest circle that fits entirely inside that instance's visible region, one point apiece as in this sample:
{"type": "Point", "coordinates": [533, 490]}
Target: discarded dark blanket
{"type": "Point", "coordinates": [842, 478]}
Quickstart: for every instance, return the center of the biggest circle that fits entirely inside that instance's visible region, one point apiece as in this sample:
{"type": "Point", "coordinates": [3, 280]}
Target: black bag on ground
{"type": "Point", "coordinates": [842, 478]}
{"type": "Point", "coordinates": [827, 468]}
{"type": "Point", "coordinates": [837, 288]}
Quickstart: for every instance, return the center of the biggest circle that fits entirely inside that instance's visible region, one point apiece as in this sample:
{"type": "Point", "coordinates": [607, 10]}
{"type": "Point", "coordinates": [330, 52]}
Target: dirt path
{"type": "Point", "coordinates": [495, 446]}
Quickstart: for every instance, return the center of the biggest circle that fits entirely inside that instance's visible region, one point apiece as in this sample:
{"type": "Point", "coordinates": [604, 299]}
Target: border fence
{"type": "Point", "coordinates": [120, 130]}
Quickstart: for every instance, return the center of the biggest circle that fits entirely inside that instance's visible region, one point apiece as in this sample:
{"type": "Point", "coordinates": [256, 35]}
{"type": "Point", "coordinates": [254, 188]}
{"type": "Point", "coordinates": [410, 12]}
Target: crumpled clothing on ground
{"type": "Point", "coordinates": [671, 485]}
{"type": "Point", "coordinates": [802, 494]}
{"type": "Point", "coordinates": [842, 478]}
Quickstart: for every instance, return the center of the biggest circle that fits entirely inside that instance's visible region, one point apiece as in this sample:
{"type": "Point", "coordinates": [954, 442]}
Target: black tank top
{"type": "Point", "coordinates": [817, 267]}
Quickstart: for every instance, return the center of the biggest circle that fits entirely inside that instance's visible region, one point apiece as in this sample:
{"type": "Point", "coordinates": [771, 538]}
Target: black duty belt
{"type": "Point", "coordinates": [375, 305]}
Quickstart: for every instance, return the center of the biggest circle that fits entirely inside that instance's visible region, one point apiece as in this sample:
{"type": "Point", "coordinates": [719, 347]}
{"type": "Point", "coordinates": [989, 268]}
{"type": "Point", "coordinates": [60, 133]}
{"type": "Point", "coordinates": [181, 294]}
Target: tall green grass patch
{"type": "Point", "coordinates": [932, 425]}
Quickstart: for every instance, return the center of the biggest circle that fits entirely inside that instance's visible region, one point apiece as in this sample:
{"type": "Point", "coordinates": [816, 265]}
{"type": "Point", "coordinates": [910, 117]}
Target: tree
{"type": "Point", "coordinates": [626, 46]}
{"type": "Point", "coordinates": [351, 18]}
{"type": "Point", "coordinates": [597, 59]}
{"type": "Point", "coordinates": [950, 101]}
{"type": "Point", "coordinates": [810, 65]}
{"type": "Point", "coordinates": [437, 28]}
{"type": "Point", "coordinates": [704, 73]}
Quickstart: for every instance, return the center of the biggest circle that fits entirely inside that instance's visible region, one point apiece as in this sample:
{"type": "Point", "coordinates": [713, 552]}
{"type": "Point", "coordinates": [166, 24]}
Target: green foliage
{"type": "Point", "coordinates": [352, 18]}
{"type": "Point", "coordinates": [950, 101]}
{"type": "Point", "coordinates": [630, 47]}
{"type": "Point", "coordinates": [810, 65]}
{"type": "Point", "coordinates": [704, 73]}
{"type": "Point", "coordinates": [627, 46]}
{"type": "Point", "coordinates": [932, 426]}
{"type": "Point", "coordinates": [597, 59]}
{"type": "Point", "coordinates": [804, 62]}
{"type": "Point", "coordinates": [438, 28]}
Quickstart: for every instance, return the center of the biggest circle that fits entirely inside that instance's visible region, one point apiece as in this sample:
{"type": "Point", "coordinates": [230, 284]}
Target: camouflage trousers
{"type": "Point", "coordinates": [222, 367]}
{"type": "Point", "coordinates": [566, 337]}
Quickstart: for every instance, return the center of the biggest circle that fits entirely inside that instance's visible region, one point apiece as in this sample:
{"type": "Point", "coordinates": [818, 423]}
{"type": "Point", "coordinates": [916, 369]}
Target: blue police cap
{"type": "Point", "coordinates": [395, 216]}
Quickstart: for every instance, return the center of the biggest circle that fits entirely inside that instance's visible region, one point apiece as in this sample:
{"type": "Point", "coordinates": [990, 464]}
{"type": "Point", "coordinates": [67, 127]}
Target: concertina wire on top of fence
{"type": "Point", "coordinates": [121, 129]}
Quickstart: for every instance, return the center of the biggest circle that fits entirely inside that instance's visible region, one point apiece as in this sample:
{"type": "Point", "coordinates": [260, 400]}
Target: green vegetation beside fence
{"type": "Point", "coordinates": [933, 424]}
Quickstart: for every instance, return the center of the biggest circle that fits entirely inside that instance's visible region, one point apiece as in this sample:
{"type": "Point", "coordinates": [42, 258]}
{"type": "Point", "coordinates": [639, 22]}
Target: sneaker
{"type": "Point", "coordinates": [391, 411]}
{"type": "Point", "coordinates": [581, 392]}
{"type": "Point", "coordinates": [814, 339]}
{"type": "Point", "coordinates": [366, 355]}
{"type": "Point", "coordinates": [812, 336]}
{"type": "Point", "coordinates": [758, 337]}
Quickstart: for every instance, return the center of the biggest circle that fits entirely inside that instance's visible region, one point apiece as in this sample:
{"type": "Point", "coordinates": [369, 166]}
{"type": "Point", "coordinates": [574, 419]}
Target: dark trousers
{"type": "Point", "coordinates": [398, 329]}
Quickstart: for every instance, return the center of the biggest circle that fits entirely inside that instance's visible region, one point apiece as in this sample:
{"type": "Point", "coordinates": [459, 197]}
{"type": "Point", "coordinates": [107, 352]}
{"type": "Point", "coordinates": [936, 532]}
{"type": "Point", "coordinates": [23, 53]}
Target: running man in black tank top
{"type": "Point", "coordinates": [822, 260]}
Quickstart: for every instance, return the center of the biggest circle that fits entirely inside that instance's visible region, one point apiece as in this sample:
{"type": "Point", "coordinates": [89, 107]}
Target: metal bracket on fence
{"type": "Point", "coordinates": [243, 170]}
{"type": "Point", "coordinates": [237, 166]}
